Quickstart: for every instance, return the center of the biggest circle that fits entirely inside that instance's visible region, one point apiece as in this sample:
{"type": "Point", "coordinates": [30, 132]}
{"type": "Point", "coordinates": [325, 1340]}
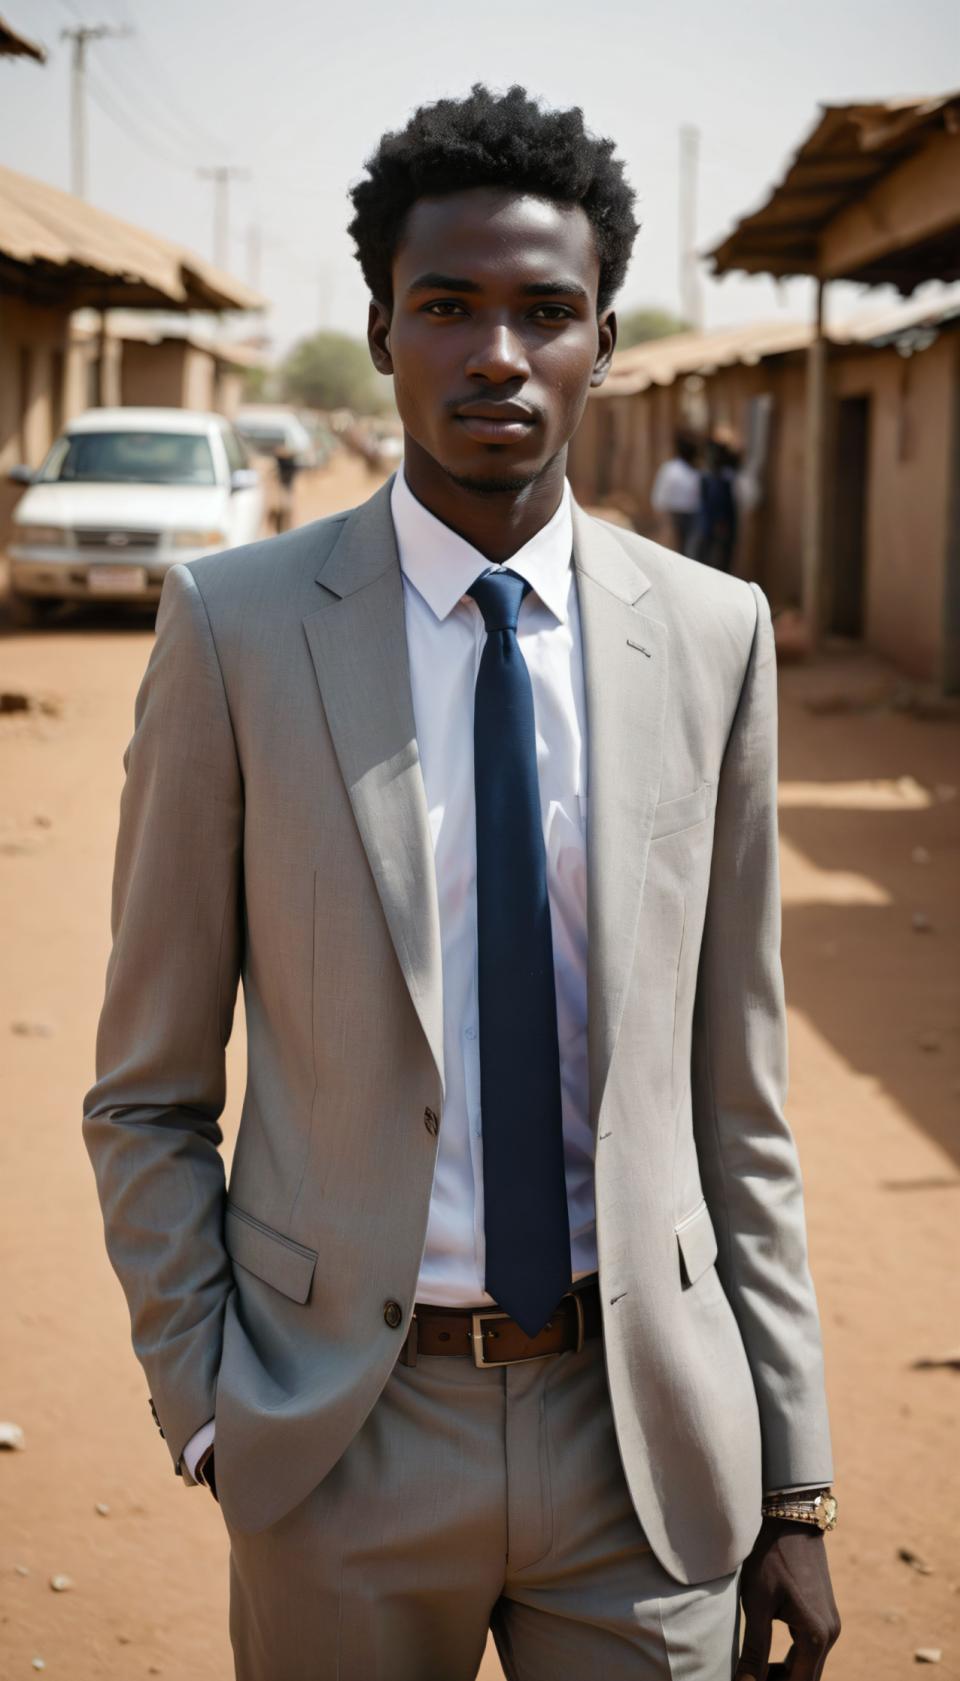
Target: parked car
{"type": "Point", "coordinates": [121, 496]}
{"type": "Point", "coordinates": [275, 431]}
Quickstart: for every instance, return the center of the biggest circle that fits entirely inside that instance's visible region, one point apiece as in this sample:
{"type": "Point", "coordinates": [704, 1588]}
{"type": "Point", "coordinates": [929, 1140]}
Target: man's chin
{"type": "Point", "coordinates": [496, 479]}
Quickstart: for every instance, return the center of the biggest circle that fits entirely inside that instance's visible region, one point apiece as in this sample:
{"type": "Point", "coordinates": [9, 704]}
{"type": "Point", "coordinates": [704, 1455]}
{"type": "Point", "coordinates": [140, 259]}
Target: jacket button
{"type": "Point", "coordinates": [430, 1121]}
{"type": "Point", "coordinates": [393, 1314]}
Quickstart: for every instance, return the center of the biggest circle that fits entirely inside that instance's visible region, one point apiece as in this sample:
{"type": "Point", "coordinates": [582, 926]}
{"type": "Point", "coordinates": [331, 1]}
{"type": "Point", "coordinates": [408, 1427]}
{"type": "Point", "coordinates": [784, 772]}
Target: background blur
{"type": "Point", "coordinates": [182, 367]}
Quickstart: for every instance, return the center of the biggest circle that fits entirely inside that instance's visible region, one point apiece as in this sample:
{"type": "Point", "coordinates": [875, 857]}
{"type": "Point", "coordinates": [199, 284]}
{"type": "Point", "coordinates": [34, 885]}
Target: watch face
{"type": "Point", "coordinates": [828, 1508]}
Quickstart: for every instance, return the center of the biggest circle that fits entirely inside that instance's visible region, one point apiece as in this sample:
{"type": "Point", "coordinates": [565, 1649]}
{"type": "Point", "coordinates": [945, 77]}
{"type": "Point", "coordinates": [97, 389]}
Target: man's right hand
{"type": "Point", "coordinates": [206, 1473]}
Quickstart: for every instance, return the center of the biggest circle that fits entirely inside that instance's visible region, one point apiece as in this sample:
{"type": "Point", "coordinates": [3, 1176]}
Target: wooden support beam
{"type": "Point", "coordinates": [912, 204]}
{"type": "Point", "coordinates": [814, 498]}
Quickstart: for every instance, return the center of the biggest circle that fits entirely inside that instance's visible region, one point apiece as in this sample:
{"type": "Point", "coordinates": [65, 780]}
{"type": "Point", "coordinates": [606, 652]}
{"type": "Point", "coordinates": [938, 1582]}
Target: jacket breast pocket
{"type": "Point", "coordinates": [277, 1260]}
{"type": "Point", "coordinates": [673, 815]}
{"type": "Point", "coordinates": [697, 1243]}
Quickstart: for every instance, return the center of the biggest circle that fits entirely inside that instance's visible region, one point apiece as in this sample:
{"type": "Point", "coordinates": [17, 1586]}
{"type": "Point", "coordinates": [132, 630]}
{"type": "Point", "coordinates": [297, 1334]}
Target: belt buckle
{"type": "Point", "coordinates": [476, 1334]}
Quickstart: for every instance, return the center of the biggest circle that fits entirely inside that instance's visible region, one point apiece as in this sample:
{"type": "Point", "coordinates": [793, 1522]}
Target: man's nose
{"type": "Point", "coordinates": [498, 355]}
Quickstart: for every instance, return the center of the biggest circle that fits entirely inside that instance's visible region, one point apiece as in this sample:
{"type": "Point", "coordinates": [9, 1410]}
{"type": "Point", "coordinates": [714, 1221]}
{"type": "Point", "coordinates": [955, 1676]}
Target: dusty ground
{"type": "Point", "coordinates": [875, 1089]}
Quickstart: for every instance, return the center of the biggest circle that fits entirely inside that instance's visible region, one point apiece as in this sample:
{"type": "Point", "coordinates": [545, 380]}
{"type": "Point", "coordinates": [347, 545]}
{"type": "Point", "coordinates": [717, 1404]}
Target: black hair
{"type": "Point", "coordinates": [492, 140]}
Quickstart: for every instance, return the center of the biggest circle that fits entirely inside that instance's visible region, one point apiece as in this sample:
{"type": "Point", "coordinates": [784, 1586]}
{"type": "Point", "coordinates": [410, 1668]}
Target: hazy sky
{"type": "Point", "coordinates": [298, 93]}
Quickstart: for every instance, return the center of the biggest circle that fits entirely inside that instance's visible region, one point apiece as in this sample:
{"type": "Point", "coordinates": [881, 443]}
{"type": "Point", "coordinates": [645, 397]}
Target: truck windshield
{"type": "Point", "coordinates": [130, 458]}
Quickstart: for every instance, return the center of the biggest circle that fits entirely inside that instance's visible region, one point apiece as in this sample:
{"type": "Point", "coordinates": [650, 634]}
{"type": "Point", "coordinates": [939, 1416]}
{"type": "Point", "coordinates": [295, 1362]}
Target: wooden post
{"type": "Point", "coordinates": [814, 523]}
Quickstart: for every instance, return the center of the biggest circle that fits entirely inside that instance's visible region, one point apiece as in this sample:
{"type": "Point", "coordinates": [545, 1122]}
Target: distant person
{"type": "Point", "coordinates": [504, 1320]}
{"type": "Point", "coordinates": [717, 524]}
{"type": "Point", "coordinates": [676, 493]}
{"type": "Point", "coordinates": [287, 469]}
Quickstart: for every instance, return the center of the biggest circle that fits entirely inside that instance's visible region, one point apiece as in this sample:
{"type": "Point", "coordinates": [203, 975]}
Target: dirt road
{"type": "Point", "coordinates": [870, 839]}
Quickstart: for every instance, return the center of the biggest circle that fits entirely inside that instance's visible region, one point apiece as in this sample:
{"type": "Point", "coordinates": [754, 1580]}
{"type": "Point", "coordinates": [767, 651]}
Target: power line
{"type": "Point", "coordinates": [154, 147]}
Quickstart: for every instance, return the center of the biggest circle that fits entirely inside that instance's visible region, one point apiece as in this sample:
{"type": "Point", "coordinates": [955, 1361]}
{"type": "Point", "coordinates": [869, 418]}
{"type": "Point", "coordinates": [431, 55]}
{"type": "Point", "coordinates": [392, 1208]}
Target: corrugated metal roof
{"type": "Point", "coordinates": [55, 246]}
{"type": "Point", "coordinates": [661, 361]}
{"type": "Point", "coordinates": [847, 151]}
{"type": "Point", "coordinates": [141, 328]}
{"type": "Point", "coordinates": [13, 45]}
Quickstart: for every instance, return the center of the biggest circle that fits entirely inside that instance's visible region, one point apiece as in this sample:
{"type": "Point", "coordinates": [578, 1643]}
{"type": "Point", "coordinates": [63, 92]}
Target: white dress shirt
{"type": "Point", "coordinates": [676, 488]}
{"type": "Point", "coordinates": [445, 640]}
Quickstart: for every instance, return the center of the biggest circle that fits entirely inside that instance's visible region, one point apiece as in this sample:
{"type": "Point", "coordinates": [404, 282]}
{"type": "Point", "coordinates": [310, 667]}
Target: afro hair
{"type": "Point", "coordinates": [490, 140]}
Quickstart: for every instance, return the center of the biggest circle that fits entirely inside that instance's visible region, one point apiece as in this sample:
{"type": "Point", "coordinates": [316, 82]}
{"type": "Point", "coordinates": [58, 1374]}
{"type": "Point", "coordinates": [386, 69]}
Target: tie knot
{"type": "Point", "coordinates": [498, 596]}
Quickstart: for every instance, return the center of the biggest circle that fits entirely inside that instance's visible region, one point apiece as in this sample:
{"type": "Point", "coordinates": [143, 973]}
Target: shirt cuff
{"type": "Point", "coordinates": [196, 1446]}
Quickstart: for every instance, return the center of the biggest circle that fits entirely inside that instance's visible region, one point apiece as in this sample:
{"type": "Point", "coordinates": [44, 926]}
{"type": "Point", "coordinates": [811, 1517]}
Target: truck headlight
{"type": "Point", "coordinates": [40, 536]}
{"type": "Point", "coordinates": [198, 539]}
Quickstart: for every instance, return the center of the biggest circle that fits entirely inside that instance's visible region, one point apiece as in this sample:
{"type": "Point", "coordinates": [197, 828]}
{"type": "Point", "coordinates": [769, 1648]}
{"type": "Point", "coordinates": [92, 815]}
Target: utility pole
{"type": "Point", "coordinates": [690, 296]}
{"type": "Point", "coordinates": [81, 35]}
{"type": "Point", "coordinates": [253, 256]}
{"type": "Point", "coordinates": [221, 175]}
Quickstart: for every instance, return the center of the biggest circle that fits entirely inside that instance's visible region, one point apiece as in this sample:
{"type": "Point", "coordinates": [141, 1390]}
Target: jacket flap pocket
{"type": "Point", "coordinates": [673, 815]}
{"type": "Point", "coordinates": [288, 1266]}
{"type": "Point", "coordinates": [698, 1243]}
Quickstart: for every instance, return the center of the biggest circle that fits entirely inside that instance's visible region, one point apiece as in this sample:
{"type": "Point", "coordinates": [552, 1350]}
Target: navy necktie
{"type": "Point", "coordinates": [525, 1199]}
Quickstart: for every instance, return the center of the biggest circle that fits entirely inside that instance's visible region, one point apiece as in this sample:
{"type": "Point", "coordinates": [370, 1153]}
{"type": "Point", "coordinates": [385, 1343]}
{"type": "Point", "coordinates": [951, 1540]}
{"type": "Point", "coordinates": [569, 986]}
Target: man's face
{"type": "Point", "coordinates": [493, 338]}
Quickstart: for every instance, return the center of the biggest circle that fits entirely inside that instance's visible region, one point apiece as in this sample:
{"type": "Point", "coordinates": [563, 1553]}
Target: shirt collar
{"type": "Point", "coordinates": [442, 565]}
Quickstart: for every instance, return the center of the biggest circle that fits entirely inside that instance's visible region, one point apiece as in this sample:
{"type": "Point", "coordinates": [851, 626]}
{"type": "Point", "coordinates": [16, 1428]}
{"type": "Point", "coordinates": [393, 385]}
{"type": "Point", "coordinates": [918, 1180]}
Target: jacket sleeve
{"type": "Point", "coordinates": [151, 1120]}
{"type": "Point", "coordinates": [748, 1159]}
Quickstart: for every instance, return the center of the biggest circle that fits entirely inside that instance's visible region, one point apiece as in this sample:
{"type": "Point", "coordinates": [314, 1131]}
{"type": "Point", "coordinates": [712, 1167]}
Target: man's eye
{"type": "Point", "coordinates": [553, 312]}
{"type": "Point", "coordinates": [444, 306]}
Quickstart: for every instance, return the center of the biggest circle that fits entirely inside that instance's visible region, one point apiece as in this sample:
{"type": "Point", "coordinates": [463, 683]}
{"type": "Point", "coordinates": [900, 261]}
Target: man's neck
{"type": "Point", "coordinates": [499, 523]}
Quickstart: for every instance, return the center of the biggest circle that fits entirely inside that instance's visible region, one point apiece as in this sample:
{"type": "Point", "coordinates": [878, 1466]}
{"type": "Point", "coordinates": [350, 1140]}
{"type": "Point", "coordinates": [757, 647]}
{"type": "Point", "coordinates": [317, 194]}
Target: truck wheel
{"type": "Point", "coordinates": [30, 611]}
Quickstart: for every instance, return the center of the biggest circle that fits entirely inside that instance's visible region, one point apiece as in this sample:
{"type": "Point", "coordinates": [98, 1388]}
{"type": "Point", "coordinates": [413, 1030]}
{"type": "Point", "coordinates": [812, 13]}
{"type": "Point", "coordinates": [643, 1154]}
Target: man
{"type": "Point", "coordinates": [505, 1320]}
{"type": "Point", "coordinates": [676, 493]}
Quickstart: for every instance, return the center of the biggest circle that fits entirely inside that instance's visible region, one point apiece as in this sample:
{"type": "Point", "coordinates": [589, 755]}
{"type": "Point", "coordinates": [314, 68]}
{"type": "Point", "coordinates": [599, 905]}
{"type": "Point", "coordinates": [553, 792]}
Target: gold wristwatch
{"type": "Point", "coordinates": [822, 1512]}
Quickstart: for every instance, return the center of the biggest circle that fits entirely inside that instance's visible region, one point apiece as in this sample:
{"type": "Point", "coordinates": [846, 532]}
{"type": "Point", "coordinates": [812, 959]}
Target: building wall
{"type": "Point", "coordinates": [33, 360]}
{"type": "Point", "coordinates": [152, 375]}
{"type": "Point", "coordinates": [912, 444]}
{"type": "Point", "coordinates": [908, 496]}
{"type": "Point", "coordinates": [623, 440]}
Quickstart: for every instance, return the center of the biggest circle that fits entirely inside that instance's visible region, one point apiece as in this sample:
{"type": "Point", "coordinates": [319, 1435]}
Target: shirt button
{"type": "Point", "coordinates": [471, 1033]}
{"type": "Point", "coordinates": [431, 1121]}
{"type": "Point", "coordinates": [393, 1314]}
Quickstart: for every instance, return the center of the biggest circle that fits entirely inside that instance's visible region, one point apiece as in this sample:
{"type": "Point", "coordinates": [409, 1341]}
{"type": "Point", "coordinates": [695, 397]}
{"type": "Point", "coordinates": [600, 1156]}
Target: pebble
{"type": "Point", "coordinates": [12, 1437]}
{"type": "Point", "coordinates": [38, 1663]}
{"type": "Point", "coordinates": [927, 1654]}
{"type": "Point", "coordinates": [921, 923]}
{"type": "Point", "coordinates": [32, 1029]}
{"type": "Point", "coordinates": [920, 1565]}
{"type": "Point", "coordinates": [102, 1509]}
{"type": "Point", "coordinates": [21, 1570]}
{"type": "Point", "coordinates": [61, 1584]}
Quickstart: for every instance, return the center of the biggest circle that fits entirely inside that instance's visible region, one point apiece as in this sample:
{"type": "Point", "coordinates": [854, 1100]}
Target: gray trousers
{"type": "Point", "coordinates": [474, 1500]}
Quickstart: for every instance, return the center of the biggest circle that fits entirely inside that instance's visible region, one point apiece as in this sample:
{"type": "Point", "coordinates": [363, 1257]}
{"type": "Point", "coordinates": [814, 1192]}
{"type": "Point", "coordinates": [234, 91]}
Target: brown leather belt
{"type": "Point", "coordinates": [492, 1338]}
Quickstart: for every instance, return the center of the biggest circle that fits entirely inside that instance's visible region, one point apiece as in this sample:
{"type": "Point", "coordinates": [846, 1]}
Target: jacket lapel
{"type": "Point", "coordinates": [625, 679]}
{"type": "Point", "coordinates": [358, 643]}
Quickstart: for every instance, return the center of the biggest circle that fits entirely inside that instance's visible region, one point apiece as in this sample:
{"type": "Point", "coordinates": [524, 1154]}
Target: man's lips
{"type": "Point", "coordinates": [497, 423]}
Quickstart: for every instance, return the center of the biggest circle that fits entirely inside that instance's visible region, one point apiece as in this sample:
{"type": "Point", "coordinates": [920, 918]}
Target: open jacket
{"type": "Point", "coordinates": [274, 830]}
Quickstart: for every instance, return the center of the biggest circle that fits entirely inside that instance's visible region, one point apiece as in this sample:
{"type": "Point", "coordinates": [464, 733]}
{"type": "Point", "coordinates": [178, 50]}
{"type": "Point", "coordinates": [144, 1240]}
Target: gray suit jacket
{"type": "Point", "coordinates": [274, 829]}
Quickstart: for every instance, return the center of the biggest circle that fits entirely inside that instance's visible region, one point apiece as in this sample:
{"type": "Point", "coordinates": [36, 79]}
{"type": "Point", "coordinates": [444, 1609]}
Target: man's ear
{"type": "Point", "coordinates": [378, 337]}
{"type": "Point", "coordinates": [607, 336]}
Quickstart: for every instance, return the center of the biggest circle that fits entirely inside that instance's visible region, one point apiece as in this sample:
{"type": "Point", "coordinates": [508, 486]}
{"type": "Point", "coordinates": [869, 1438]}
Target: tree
{"type": "Point", "coordinates": [648, 323]}
{"type": "Point", "coordinates": [332, 371]}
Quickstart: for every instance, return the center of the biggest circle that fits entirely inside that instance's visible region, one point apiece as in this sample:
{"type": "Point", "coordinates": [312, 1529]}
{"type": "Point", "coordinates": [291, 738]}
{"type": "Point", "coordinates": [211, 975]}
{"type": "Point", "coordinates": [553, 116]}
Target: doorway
{"type": "Point", "coordinates": [852, 465]}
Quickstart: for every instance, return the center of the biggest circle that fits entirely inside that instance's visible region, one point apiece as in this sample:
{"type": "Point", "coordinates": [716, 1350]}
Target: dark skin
{"type": "Point", "coordinates": [517, 336]}
{"type": "Point", "coordinates": [494, 339]}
